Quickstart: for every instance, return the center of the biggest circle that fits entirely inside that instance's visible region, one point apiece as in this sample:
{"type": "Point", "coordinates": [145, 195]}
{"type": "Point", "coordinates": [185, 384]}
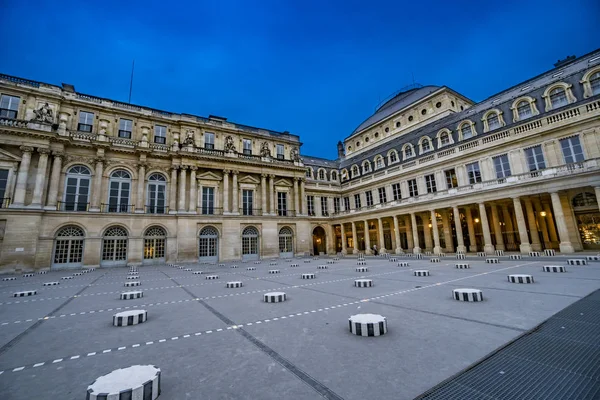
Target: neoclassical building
{"type": "Point", "coordinates": [88, 181]}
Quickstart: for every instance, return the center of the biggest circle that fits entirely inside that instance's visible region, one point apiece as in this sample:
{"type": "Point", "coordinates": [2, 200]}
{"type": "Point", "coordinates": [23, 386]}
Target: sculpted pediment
{"type": "Point", "coordinates": [208, 176]}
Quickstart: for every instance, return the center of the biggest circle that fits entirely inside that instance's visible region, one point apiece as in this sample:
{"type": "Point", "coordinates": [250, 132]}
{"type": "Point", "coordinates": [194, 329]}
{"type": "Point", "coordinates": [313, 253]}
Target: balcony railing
{"type": "Point", "coordinates": [117, 208]}
{"type": "Point", "coordinates": [156, 209]}
{"type": "Point", "coordinates": [250, 211]}
{"type": "Point", "coordinates": [4, 202]}
{"type": "Point", "coordinates": [208, 210]}
{"type": "Point", "coordinates": [286, 213]}
{"type": "Point", "coordinates": [72, 206]}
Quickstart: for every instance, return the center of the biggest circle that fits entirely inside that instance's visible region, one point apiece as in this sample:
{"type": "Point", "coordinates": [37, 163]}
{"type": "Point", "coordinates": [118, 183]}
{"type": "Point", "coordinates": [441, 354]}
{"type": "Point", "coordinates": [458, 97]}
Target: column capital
{"type": "Point", "coordinates": [303, 180]}
{"type": "Point", "coordinates": [26, 149]}
{"type": "Point", "coordinates": [99, 160]}
{"type": "Point", "coordinates": [235, 172]}
{"type": "Point", "coordinates": [226, 172]}
{"type": "Point", "coordinates": [193, 168]}
{"type": "Point", "coordinates": [175, 167]}
{"type": "Point", "coordinates": [141, 165]}
{"type": "Point", "coordinates": [271, 176]}
{"type": "Point", "coordinates": [43, 150]}
{"type": "Point", "coordinates": [183, 167]}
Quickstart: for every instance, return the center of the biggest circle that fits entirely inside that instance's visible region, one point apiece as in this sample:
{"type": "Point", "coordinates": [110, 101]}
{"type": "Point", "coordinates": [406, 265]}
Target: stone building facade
{"type": "Point", "coordinates": [88, 181]}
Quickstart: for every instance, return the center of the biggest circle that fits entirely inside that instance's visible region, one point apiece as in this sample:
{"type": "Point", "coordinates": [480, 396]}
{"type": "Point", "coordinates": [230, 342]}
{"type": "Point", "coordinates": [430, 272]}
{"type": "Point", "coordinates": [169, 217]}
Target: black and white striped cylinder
{"type": "Point", "coordinates": [67, 277]}
{"type": "Point", "coordinates": [132, 273]}
{"type": "Point", "coordinates": [481, 254]}
{"type": "Point", "coordinates": [361, 256]}
{"type": "Point", "coordinates": [10, 278]}
{"type": "Point", "coordinates": [421, 272]}
{"type": "Point", "coordinates": [188, 269]}
{"type": "Point", "coordinates": [592, 258]}
{"type": "Point", "coordinates": [418, 256]}
{"type": "Point", "coordinates": [520, 278]}
{"type": "Point", "coordinates": [549, 252]}
{"type": "Point", "coordinates": [492, 261]}
{"type": "Point", "coordinates": [363, 282]}
{"type": "Point", "coordinates": [133, 277]}
{"type": "Point", "coordinates": [198, 272]}
{"type": "Point", "coordinates": [315, 258]}
{"type": "Point", "coordinates": [460, 257]}
{"type": "Point", "coordinates": [28, 275]}
{"type": "Point", "coordinates": [138, 294]}
{"type": "Point", "coordinates": [441, 254]}
{"type": "Point", "coordinates": [308, 276]}
{"type": "Point", "coordinates": [336, 259]}
{"type": "Point", "coordinates": [367, 325]}
{"type": "Point", "coordinates": [180, 267]}
{"type": "Point", "coordinates": [515, 257]}
{"type": "Point", "coordinates": [576, 261]}
{"type": "Point", "coordinates": [50, 283]}
{"type": "Point", "coordinates": [130, 317]}
{"type": "Point", "coordinates": [434, 260]}
{"type": "Point", "coordinates": [534, 254]}
{"type": "Point", "coordinates": [274, 297]}
{"type": "Point", "coordinates": [250, 268]}
{"type": "Point", "coordinates": [554, 268]}
{"type": "Point", "coordinates": [85, 271]}
{"type": "Point", "coordinates": [361, 262]}
{"type": "Point", "coordinates": [392, 259]}
{"type": "Point", "coordinates": [462, 265]}
{"type": "Point", "coordinates": [257, 262]}
{"type": "Point", "coordinates": [92, 269]}
{"type": "Point", "coordinates": [306, 261]}
{"type": "Point", "coordinates": [25, 293]}
{"type": "Point", "coordinates": [465, 294]}
{"type": "Point", "coordinates": [138, 382]}
{"type": "Point", "coordinates": [234, 284]}
{"type": "Point", "coordinates": [44, 272]}
{"type": "Point", "coordinates": [211, 277]}
{"type": "Point", "coordinates": [403, 264]}
{"type": "Point", "coordinates": [293, 265]}
{"type": "Point", "coordinates": [362, 269]}
{"type": "Point", "coordinates": [499, 253]}
{"type": "Point", "coordinates": [233, 266]}
{"type": "Point", "coordinates": [274, 271]}
{"type": "Point", "coordinates": [322, 266]}
{"type": "Point", "coordinates": [427, 253]}
{"type": "Point", "coordinates": [221, 265]}
{"type": "Point", "coordinates": [330, 262]}
{"type": "Point", "coordinates": [77, 273]}
{"type": "Point", "coordinates": [132, 284]}
{"type": "Point", "coordinates": [273, 263]}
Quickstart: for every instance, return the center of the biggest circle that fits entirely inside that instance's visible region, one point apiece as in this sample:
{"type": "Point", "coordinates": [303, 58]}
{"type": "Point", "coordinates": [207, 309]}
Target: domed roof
{"type": "Point", "coordinates": [396, 103]}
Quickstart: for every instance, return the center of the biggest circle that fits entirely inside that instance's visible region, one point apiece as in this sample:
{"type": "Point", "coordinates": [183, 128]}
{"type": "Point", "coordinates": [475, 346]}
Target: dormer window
{"type": "Point", "coordinates": [558, 97]}
{"type": "Point", "coordinates": [322, 175]}
{"type": "Point", "coordinates": [393, 157]}
{"type": "Point", "coordinates": [379, 163]}
{"type": "Point", "coordinates": [408, 151]}
{"type": "Point", "coordinates": [333, 176]}
{"type": "Point", "coordinates": [444, 138]}
{"type": "Point", "coordinates": [355, 171]}
{"type": "Point", "coordinates": [425, 145]}
{"type": "Point", "coordinates": [466, 131]}
{"type": "Point", "coordinates": [493, 121]}
{"type": "Point", "coordinates": [524, 109]}
{"type": "Point", "coordinates": [366, 167]}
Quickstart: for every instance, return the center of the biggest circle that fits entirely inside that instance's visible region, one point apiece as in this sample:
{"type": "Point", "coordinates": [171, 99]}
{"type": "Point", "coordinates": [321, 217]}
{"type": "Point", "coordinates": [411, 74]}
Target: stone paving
{"type": "Point", "coordinates": [216, 342]}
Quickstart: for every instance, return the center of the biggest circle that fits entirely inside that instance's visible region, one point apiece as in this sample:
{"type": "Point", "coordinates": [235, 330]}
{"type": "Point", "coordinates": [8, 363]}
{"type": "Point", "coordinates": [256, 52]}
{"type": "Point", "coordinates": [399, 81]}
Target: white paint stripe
{"type": "Point", "coordinates": [57, 361]}
{"type": "Point", "coordinates": [18, 369]}
{"type": "Point", "coordinates": [38, 365]}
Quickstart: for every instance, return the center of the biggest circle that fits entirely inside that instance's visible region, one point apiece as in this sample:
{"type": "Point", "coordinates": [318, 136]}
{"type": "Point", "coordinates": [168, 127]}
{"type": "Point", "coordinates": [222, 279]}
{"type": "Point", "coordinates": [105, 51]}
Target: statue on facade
{"type": "Point", "coordinates": [294, 154]}
{"type": "Point", "coordinates": [189, 138]}
{"type": "Point", "coordinates": [44, 114]}
{"type": "Point", "coordinates": [229, 145]}
{"type": "Point", "coordinates": [264, 150]}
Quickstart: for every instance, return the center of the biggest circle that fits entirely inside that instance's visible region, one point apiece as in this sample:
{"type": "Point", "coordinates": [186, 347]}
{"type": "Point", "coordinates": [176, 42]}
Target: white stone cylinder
{"type": "Point", "coordinates": [421, 272]}
{"type": "Point", "coordinates": [234, 284]}
{"type": "Point", "coordinates": [492, 261]}
{"type": "Point", "coordinates": [308, 276]}
{"type": "Point", "coordinates": [520, 278]}
{"type": "Point", "coordinates": [132, 277]}
{"type": "Point", "coordinates": [294, 265]}
{"type": "Point", "coordinates": [322, 266]}
{"type": "Point", "coordinates": [132, 283]}
{"type": "Point", "coordinates": [362, 269]}
{"type": "Point", "coordinates": [274, 271]}
{"type": "Point", "coordinates": [367, 325]}
{"type": "Point", "coordinates": [28, 275]}
{"type": "Point", "coordinates": [274, 297]}
{"type": "Point", "coordinates": [361, 262]}
{"type": "Point", "coordinates": [434, 260]}
{"type": "Point", "coordinates": [460, 257]}
{"type": "Point", "coordinates": [77, 273]}
{"type": "Point", "coordinates": [515, 257]}
{"type": "Point", "coordinates": [465, 294]}
{"type": "Point", "coordinates": [211, 277]}
{"type": "Point", "coordinates": [45, 272]}
{"type": "Point", "coordinates": [577, 261]}
{"type": "Point", "coordinates": [462, 265]}
{"type": "Point", "coordinates": [330, 262]}
{"type": "Point", "coordinates": [188, 269]}
{"type": "Point", "coordinates": [233, 266]}
{"type": "Point", "coordinates": [363, 282]}
{"type": "Point", "coordinates": [10, 278]}
{"type": "Point", "coordinates": [403, 264]}
{"type": "Point", "coordinates": [138, 294]}
{"type": "Point", "coordinates": [554, 268]}
{"type": "Point", "coordinates": [251, 269]}
{"type": "Point", "coordinates": [138, 382]}
{"type": "Point", "coordinates": [130, 317]}
{"type": "Point", "coordinates": [67, 277]}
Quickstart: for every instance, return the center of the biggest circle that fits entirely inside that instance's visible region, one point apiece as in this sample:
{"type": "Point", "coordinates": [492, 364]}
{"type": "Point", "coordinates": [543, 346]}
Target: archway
{"type": "Point", "coordinates": [114, 247]}
{"type": "Point", "coordinates": [154, 245]}
{"type": "Point", "coordinates": [319, 241]}
{"type": "Point", "coordinates": [585, 207]}
{"type": "Point", "coordinates": [250, 244]}
{"type": "Point", "coordinates": [286, 246]}
{"type": "Point", "coordinates": [208, 245]}
{"type": "Point", "coordinates": [68, 247]}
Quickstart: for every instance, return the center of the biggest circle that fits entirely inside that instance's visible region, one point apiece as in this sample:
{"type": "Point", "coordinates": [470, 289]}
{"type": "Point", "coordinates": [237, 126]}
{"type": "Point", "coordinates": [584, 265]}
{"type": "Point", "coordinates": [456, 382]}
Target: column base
{"type": "Point", "coordinates": [354, 251]}
{"type": "Point", "coordinates": [399, 251]}
{"type": "Point", "coordinates": [473, 249]}
{"type": "Point", "coordinates": [50, 208]}
{"type": "Point", "coordinates": [16, 205]}
{"type": "Point", "coordinates": [344, 251]}
{"type": "Point", "coordinates": [368, 252]}
{"type": "Point", "coordinates": [525, 248]}
{"type": "Point", "coordinates": [489, 249]}
{"type": "Point", "coordinates": [36, 206]}
{"type": "Point", "coordinates": [94, 209]}
{"type": "Point", "coordinates": [138, 211]}
{"type": "Point", "coordinates": [500, 247]}
{"type": "Point", "coordinates": [536, 246]}
{"type": "Point", "coordinates": [461, 249]}
{"type": "Point", "coordinates": [170, 212]}
{"type": "Point", "coordinates": [437, 250]}
{"type": "Point", "coordinates": [566, 247]}
{"type": "Point", "coordinates": [416, 250]}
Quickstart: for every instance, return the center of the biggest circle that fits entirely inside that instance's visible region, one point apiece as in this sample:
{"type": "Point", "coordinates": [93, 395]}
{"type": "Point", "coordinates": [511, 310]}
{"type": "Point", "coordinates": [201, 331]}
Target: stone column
{"type": "Point", "coordinates": [40, 178]}
{"type": "Point", "coordinates": [263, 191]}
{"type": "Point", "coordinates": [561, 224]}
{"type": "Point", "coordinates": [173, 191]}
{"type": "Point", "coordinates": [22, 175]}
{"type": "Point", "coordinates": [96, 195]}
{"type": "Point", "coordinates": [409, 233]}
{"type": "Point", "coordinates": [226, 191]}
{"type": "Point", "coordinates": [461, 248]}
{"type": "Point", "coordinates": [344, 244]}
{"type": "Point", "coordinates": [296, 197]}
{"type": "Point", "coordinates": [354, 238]}
{"type": "Point", "coordinates": [234, 193]}
{"type": "Point", "coordinates": [497, 228]}
{"type": "Point", "coordinates": [427, 232]}
{"type": "Point", "coordinates": [550, 223]}
{"type": "Point", "coordinates": [437, 249]}
{"type": "Point", "coordinates": [597, 191]}
{"type": "Point", "coordinates": [397, 235]}
{"type": "Point", "coordinates": [488, 247]}
{"type": "Point", "coordinates": [141, 201]}
{"type": "Point", "coordinates": [380, 235]}
{"type": "Point", "coordinates": [541, 220]}
{"type": "Point", "coordinates": [509, 225]}
{"type": "Point", "coordinates": [415, 233]}
{"type": "Point", "coordinates": [54, 181]}
{"type": "Point", "coordinates": [192, 207]}
{"type": "Point", "coordinates": [272, 207]}
{"type": "Point", "coordinates": [447, 231]}
{"type": "Point", "coordinates": [303, 196]}
{"type": "Point", "coordinates": [182, 188]}
{"type": "Point", "coordinates": [525, 247]}
{"type": "Point", "coordinates": [471, 230]}
{"type": "Point", "coordinates": [367, 237]}
{"type": "Point", "coordinates": [533, 231]}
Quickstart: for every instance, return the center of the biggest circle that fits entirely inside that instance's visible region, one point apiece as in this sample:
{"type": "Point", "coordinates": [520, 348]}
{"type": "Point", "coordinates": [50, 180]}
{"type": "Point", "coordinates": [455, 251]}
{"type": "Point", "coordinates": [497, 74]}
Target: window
{"type": "Point", "coordinates": [160, 134]}
{"type": "Point", "coordinates": [379, 163]}
{"type": "Point", "coordinates": [247, 146]}
{"type": "Point", "coordinates": [502, 166]}
{"type": "Point", "coordinates": [309, 172]}
{"type": "Point", "coordinates": [466, 131]}
{"type": "Point", "coordinates": [412, 188]}
{"type": "Point", "coordinates": [408, 151]}
{"type": "Point", "coordinates": [473, 173]}
{"type": "Point", "coordinates": [558, 97]}
{"type": "Point", "coordinates": [9, 106]}
{"type": "Point", "coordinates": [114, 245]}
{"type": "Point", "coordinates": [209, 140]}
{"type": "Point", "coordinates": [77, 189]}
{"type": "Point", "coordinates": [398, 124]}
{"type": "Point", "coordinates": [423, 111]}
{"type": "Point", "coordinates": [321, 175]}
{"type": "Point", "coordinates": [595, 83]}
{"type": "Point", "coordinates": [571, 148]}
{"type": "Point", "coordinates": [333, 175]}
{"type": "Point", "coordinates": [346, 203]}
{"type": "Point", "coordinates": [310, 202]}
{"type": "Point", "coordinates": [444, 138]}
{"type": "Point", "coordinates": [154, 243]}
{"type": "Point", "coordinates": [451, 179]}
{"type": "Point", "coordinates": [208, 201]}
{"type": "Point", "coordinates": [68, 246]}
{"type": "Point", "coordinates": [524, 110]}
{"type": "Point", "coordinates": [3, 183]}
{"type": "Point", "coordinates": [382, 195]}
{"type": "Point", "coordinates": [585, 199]}
{"type": "Point", "coordinates": [396, 192]}
{"type": "Point", "coordinates": [324, 208]}
{"type": "Point", "coordinates": [357, 201]}
{"type": "Point", "coordinates": [86, 121]}
{"type": "Point", "coordinates": [285, 241]}
{"type": "Point", "coordinates": [336, 205]}
{"type": "Point", "coordinates": [282, 204]}
{"type": "Point", "coordinates": [438, 104]}
{"type": "Point", "coordinates": [369, 196]}
{"type": "Point", "coordinates": [493, 121]}
{"type": "Point", "coordinates": [425, 146]}
{"type": "Point", "coordinates": [393, 157]}
{"type": "Point", "coordinates": [280, 151]}
{"type": "Point", "coordinates": [366, 167]}
{"type": "Point", "coordinates": [535, 158]}
{"type": "Point", "coordinates": [118, 194]}
{"type": "Point", "coordinates": [157, 189]}
{"type": "Point", "coordinates": [355, 171]}
{"type": "Point", "coordinates": [247, 202]}
{"type": "Point", "coordinates": [366, 139]}
{"type": "Point", "coordinates": [125, 128]}
{"type": "Point", "coordinates": [430, 183]}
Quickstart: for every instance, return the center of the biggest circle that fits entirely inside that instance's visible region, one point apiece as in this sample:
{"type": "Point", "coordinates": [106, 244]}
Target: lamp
{"type": "Point", "coordinates": [543, 213]}
{"type": "Point", "coordinates": [476, 220]}
{"type": "Point", "coordinates": [430, 225]}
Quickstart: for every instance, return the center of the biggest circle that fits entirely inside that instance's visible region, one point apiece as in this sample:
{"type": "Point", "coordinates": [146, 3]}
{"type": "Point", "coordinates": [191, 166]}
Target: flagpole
{"type": "Point", "coordinates": [131, 81]}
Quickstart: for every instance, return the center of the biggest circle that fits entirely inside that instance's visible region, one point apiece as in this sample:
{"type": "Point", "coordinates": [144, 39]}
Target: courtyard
{"type": "Point", "coordinates": [215, 342]}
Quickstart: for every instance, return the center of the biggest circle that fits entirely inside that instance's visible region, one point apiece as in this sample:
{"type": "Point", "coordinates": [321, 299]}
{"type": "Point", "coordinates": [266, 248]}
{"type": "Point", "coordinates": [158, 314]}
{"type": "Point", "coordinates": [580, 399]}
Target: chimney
{"type": "Point", "coordinates": [340, 148]}
{"type": "Point", "coordinates": [567, 60]}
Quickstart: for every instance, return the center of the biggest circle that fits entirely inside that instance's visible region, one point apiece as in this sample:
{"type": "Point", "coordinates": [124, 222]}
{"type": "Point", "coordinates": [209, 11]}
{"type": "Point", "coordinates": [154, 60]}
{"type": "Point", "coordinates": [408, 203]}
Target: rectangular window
{"type": "Point", "coordinates": [247, 202]}
{"type": "Point", "coordinates": [282, 204]}
{"type": "Point", "coordinates": [125, 128]}
{"type": "Point", "coordinates": [571, 148]}
{"type": "Point", "coordinates": [382, 195]}
{"type": "Point", "coordinates": [247, 143]}
{"type": "Point", "coordinates": [396, 191]}
{"type": "Point", "coordinates": [208, 200]}
{"type": "Point", "coordinates": [502, 166]}
{"type": "Point", "coordinates": [430, 183]}
{"type": "Point", "coordinates": [324, 208]}
{"type": "Point", "coordinates": [535, 158]}
{"type": "Point", "coordinates": [336, 205]}
{"type": "Point", "coordinates": [357, 204]}
{"type": "Point", "coordinates": [3, 183]}
{"type": "Point", "coordinates": [9, 106]}
{"type": "Point", "coordinates": [451, 179]}
{"type": "Point", "coordinates": [473, 173]}
{"type": "Point", "coordinates": [160, 134]}
{"type": "Point", "coordinates": [209, 140]}
{"type": "Point", "coordinates": [346, 203]}
{"type": "Point", "coordinates": [86, 121]}
{"type": "Point", "coordinates": [280, 154]}
{"type": "Point", "coordinates": [412, 188]}
{"type": "Point", "coordinates": [310, 202]}
{"type": "Point", "coordinates": [369, 196]}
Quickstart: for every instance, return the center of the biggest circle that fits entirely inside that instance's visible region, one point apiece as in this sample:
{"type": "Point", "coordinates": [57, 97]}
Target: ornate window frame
{"type": "Point", "coordinates": [585, 81]}
{"type": "Point", "coordinates": [355, 171]}
{"type": "Point", "coordinates": [531, 101]}
{"type": "Point", "coordinates": [379, 158]}
{"type": "Point", "coordinates": [421, 140]}
{"type": "Point", "coordinates": [567, 87]}
{"type": "Point", "coordinates": [439, 137]}
{"type": "Point", "coordinates": [324, 171]}
{"type": "Point", "coordinates": [389, 156]}
{"type": "Point", "coordinates": [412, 151]}
{"type": "Point", "coordinates": [333, 175]}
{"type": "Point", "coordinates": [460, 128]}
{"type": "Point", "coordinates": [368, 166]}
{"type": "Point", "coordinates": [344, 175]}
{"type": "Point", "coordinates": [488, 113]}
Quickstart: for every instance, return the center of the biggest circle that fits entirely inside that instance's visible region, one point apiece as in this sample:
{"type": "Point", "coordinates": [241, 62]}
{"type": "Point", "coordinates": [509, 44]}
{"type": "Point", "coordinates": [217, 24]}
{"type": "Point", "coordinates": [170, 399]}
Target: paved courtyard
{"type": "Point", "coordinates": [219, 343]}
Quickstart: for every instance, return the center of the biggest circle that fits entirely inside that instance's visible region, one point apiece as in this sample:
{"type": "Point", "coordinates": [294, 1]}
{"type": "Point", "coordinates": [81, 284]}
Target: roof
{"type": "Point", "coordinates": [311, 161]}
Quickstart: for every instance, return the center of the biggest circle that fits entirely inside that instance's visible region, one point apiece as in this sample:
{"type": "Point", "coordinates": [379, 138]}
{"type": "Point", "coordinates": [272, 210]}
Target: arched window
{"type": "Point", "coordinates": [492, 121]}
{"type": "Point", "coordinates": [250, 243]}
{"type": "Point", "coordinates": [524, 110]}
{"type": "Point", "coordinates": [119, 191]}
{"type": "Point", "coordinates": [425, 145]}
{"type": "Point", "coordinates": [355, 171]}
{"type": "Point", "coordinates": [322, 174]}
{"type": "Point", "coordinates": [154, 243]}
{"type": "Point", "coordinates": [444, 138]}
{"type": "Point", "coordinates": [309, 172]}
{"type": "Point", "coordinates": [344, 174]}
{"type": "Point", "coordinates": [558, 97]}
{"type": "Point", "coordinates": [68, 247]}
{"type": "Point", "coordinates": [208, 249]}
{"type": "Point", "coordinates": [366, 167]}
{"type": "Point", "coordinates": [77, 189]}
{"type": "Point", "coordinates": [114, 246]}
{"type": "Point", "coordinates": [379, 162]}
{"type": "Point", "coordinates": [393, 157]}
{"type": "Point", "coordinates": [408, 151]}
{"type": "Point", "coordinates": [157, 192]}
{"type": "Point", "coordinates": [585, 199]}
{"type": "Point", "coordinates": [595, 83]}
{"type": "Point", "coordinates": [333, 175]}
{"type": "Point", "coordinates": [286, 247]}
{"type": "Point", "coordinates": [466, 131]}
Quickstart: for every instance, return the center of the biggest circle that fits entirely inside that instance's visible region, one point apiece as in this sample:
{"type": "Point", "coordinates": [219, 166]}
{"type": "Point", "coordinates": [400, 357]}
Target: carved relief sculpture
{"type": "Point", "coordinates": [189, 138]}
{"type": "Point", "coordinates": [44, 114]}
{"type": "Point", "coordinates": [264, 150]}
{"type": "Point", "coordinates": [229, 145]}
{"type": "Point", "coordinates": [294, 154]}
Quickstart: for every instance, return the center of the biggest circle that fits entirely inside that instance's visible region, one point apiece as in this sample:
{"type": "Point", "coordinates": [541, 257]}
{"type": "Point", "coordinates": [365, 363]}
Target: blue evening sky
{"type": "Point", "coordinates": [314, 68]}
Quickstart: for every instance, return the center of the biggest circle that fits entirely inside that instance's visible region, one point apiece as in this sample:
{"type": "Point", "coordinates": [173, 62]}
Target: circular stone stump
{"type": "Point", "coordinates": [25, 293]}
{"type": "Point", "coordinates": [306, 261]}
{"type": "Point", "coordinates": [50, 283]}
{"type": "Point", "coordinates": [130, 317]}
{"type": "Point", "coordinates": [403, 264]}
{"type": "Point", "coordinates": [135, 382]}
{"type": "Point", "coordinates": [467, 294]}
{"type": "Point", "coordinates": [233, 266]}
{"type": "Point", "coordinates": [273, 263]}
{"type": "Point", "coordinates": [294, 265]}
{"type": "Point", "coordinates": [554, 268]}
{"type": "Point", "coordinates": [188, 269]}
{"type": "Point", "coordinates": [77, 273]}
{"type": "Point", "coordinates": [133, 277]}
{"type": "Point", "coordinates": [330, 262]}
{"type": "Point", "coordinates": [234, 284]}
{"type": "Point", "coordinates": [362, 269]}
{"type": "Point", "coordinates": [12, 278]}
{"type": "Point", "coordinates": [367, 324]}
{"type": "Point", "coordinates": [67, 277]}
{"type": "Point", "coordinates": [421, 272]}
{"type": "Point", "coordinates": [274, 271]}
{"type": "Point", "coordinates": [212, 276]}
{"type": "Point", "coordinates": [197, 272]}
{"type": "Point", "coordinates": [520, 278]}
{"type": "Point", "coordinates": [308, 276]}
{"type": "Point", "coordinates": [221, 265]}
{"type": "Point", "coordinates": [322, 267]}
{"type": "Point", "coordinates": [363, 282]}
{"type": "Point", "coordinates": [45, 272]}
{"type": "Point", "coordinates": [257, 262]}
{"type": "Point", "coordinates": [132, 273]}
{"type": "Point", "coordinates": [274, 297]}
{"type": "Point", "coordinates": [28, 275]}
{"type": "Point", "coordinates": [462, 265]}
{"type": "Point", "coordinates": [251, 269]}
{"type": "Point", "coordinates": [132, 283]}
{"type": "Point", "coordinates": [138, 294]}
